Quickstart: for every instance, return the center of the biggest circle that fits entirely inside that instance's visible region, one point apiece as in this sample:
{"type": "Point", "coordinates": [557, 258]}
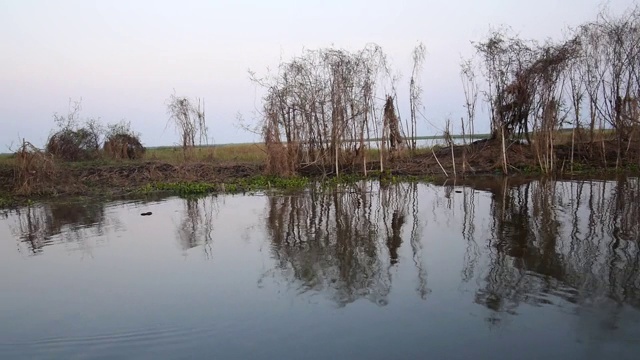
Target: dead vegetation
{"type": "Point", "coordinates": [122, 143]}
{"type": "Point", "coordinates": [321, 109]}
{"type": "Point", "coordinates": [34, 170]}
{"type": "Point", "coordinates": [123, 146]}
{"type": "Point", "coordinates": [188, 118]}
{"type": "Point", "coordinates": [591, 80]}
{"type": "Point", "coordinates": [75, 139]}
{"type": "Point", "coordinates": [79, 139]}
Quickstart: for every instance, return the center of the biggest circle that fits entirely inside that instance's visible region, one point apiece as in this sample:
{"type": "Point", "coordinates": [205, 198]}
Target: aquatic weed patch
{"type": "Point", "coordinates": [271, 182]}
{"type": "Point", "coordinates": [234, 186]}
{"type": "Point", "coordinates": [182, 188]}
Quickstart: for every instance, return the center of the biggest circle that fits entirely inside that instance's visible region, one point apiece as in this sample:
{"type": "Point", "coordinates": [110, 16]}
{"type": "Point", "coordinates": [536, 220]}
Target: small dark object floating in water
{"type": "Point", "coordinates": [147, 213]}
{"type": "Point", "coordinates": [458, 191]}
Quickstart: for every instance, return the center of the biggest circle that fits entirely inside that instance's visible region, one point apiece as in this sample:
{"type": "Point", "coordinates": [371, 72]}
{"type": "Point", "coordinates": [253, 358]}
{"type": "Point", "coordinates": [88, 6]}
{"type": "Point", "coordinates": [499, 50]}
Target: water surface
{"type": "Point", "coordinates": [495, 270]}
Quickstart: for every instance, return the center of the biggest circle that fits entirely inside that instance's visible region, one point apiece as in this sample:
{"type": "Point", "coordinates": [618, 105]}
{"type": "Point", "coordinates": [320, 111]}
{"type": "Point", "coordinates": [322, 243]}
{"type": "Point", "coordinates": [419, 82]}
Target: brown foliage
{"type": "Point", "coordinates": [391, 120]}
{"type": "Point", "coordinates": [318, 106]}
{"type": "Point", "coordinates": [73, 145]}
{"type": "Point", "coordinates": [33, 169]}
{"type": "Point", "coordinates": [123, 146]}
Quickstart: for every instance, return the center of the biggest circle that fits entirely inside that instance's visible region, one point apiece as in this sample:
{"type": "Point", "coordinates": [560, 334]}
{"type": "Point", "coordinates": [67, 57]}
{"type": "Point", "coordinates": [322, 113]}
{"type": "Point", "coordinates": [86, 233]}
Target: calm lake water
{"type": "Point", "coordinates": [502, 269]}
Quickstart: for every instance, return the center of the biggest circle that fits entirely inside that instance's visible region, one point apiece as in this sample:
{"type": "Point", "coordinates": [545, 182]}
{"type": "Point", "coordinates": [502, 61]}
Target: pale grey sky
{"type": "Point", "coordinates": [124, 58]}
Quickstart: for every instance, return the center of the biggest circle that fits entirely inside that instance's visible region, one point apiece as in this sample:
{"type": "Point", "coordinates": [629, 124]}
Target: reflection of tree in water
{"type": "Point", "coordinates": [573, 240]}
{"type": "Point", "coordinates": [197, 224]}
{"type": "Point", "coordinates": [342, 242]}
{"type": "Point", "coordinates": [40, 225]}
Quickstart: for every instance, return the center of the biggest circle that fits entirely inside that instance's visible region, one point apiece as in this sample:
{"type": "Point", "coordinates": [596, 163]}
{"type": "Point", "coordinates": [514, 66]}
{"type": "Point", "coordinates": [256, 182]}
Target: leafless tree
{"type": "Point", "coordinates": [188, 117]}
{"type": "Point", "coordinates": [321, 109]}
{"type": "Point", "coordinates": [611, 74]}
{"type": "Point", "coordinates": [415, 92]}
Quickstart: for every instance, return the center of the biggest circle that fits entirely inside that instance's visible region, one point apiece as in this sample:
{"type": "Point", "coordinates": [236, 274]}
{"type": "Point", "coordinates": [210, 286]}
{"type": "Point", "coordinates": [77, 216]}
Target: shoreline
{"type": "Point", "coordinates": [110, 180]}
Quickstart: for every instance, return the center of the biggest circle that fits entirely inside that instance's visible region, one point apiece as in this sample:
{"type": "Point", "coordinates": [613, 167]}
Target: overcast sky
{"type": "Point", "coordinates": [124, 58]}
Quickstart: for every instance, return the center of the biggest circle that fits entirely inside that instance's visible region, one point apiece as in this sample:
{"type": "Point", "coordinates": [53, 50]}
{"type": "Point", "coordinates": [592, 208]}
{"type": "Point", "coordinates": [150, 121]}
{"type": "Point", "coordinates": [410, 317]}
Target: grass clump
{"type": "Point", "coordinates": [250, 153]}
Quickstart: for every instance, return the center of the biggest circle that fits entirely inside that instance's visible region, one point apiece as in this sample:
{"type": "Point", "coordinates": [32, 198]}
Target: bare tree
{"type": "Point", "coordinates": [470, 88]}
{"type": "Point", "coordinates": [415, 92]}
{"type": "Point", "coordinates": [320, 109]}
{"type": "Point", "coordinates": [611, 73]}
{"type": "Point", "coordinates": [188, 117]}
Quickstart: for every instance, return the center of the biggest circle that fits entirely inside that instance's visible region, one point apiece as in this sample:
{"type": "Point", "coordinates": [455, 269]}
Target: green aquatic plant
{"type": "Point", "coordinates": [187, 188]}
{"type": "Point", "coordinates": [5, 202]}
{"type": "Point", "coordinates": [241, 185]}
{"type": "Point", "coordinates": [271, 182]}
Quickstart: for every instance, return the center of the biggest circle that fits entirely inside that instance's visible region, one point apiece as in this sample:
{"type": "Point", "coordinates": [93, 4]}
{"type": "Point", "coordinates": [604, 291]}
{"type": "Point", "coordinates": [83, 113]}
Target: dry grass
{"type": "Point", "coordinates": [249, 153]}
{"type": "Point", "coordinates": [563, 137]}
{"type": "Point", "coordinates": [7, 159]}
{"type": "Point", "coordinates": [33, 167]}
{"type": "Point", "coordinates": [255, 154]}
{"type": "Point", "coordinates": [220, 154]}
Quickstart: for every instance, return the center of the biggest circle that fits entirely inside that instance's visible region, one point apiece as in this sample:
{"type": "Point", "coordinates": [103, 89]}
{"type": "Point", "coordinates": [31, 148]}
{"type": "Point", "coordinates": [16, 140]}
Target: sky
{"type": "Point", "coordinates": [123, 59]}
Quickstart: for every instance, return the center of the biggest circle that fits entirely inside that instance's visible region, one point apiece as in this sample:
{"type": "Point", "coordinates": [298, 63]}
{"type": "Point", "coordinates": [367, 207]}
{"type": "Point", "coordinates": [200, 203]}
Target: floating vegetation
{"type": "Point", "coordinates": [236, 186]}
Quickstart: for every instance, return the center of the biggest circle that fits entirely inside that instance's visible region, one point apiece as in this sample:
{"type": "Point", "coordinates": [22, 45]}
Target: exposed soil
{"type": "Point", "coordinates": [485, 157]}
{"type": "Point", "coordinates": [82, 179]}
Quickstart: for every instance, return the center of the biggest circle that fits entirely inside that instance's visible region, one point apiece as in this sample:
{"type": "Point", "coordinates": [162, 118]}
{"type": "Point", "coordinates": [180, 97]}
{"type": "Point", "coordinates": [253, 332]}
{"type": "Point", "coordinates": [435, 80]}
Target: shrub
{"type": "Point", "coordinates": [75, 140]}
{"type": "Point", "coordinates": [123, 146]}
{"type": "Point", "coordinates": [122, 143]}
{"type": "Point", "coordinates": [73, 145]}
{"type": "Point", "coordinates": [33, 169]}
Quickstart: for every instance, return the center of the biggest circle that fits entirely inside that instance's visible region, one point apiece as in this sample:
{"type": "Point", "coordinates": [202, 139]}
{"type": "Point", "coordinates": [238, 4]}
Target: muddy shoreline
{"type": "Point", "coordinates": [473, 162]}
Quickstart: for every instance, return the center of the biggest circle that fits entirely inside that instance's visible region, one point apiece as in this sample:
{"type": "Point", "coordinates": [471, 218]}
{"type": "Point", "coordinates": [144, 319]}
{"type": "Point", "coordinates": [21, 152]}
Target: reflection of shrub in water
{"type": "Point", "coordinates": [340, 242]}
{"type": "Point", "coordinates": [75, 216]}
{"type": "Point", "coordinates": [39, 226]}
{"type": "Point", "coordinates": [568, 240]}
{"type": "Point", "coordinates": [197, 224]}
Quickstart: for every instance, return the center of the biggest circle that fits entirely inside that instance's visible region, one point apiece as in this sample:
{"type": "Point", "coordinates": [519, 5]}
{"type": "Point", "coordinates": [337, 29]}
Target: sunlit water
{"type": "Point", "coordinates": [500, 270]}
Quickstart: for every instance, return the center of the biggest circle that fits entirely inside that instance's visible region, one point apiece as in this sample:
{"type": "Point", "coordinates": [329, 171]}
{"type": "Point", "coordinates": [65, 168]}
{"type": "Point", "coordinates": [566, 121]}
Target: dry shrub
{"type": "Point", "coordinates": [188, 117]}
{"type": "Point", "coordinates": [391, 122]}
{"type": "Point", "coordinates": [123, 146]}
{"type": "Point", "coordinates": [278, 160]}
{"type": "Point", "coordinates": [74, 145]}
{"type": "Point", "coordinates": [319, 103]}
{"type": "Point", "coordinates": [34, 169]}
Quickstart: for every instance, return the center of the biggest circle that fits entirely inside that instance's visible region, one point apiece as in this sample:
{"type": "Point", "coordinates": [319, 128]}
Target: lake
{"type": "Point", "coordinates": [496, 269]}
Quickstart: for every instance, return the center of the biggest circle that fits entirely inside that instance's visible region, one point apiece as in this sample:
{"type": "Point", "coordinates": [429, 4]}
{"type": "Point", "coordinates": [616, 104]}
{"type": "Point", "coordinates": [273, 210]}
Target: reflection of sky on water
{"type": "Point", "coordinates": [493, 263]}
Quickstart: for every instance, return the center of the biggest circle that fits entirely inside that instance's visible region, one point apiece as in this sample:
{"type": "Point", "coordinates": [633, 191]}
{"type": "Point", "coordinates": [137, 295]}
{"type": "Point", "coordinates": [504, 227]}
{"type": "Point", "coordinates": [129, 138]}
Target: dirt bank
{"type": "Point", "coordinates": [90, 178]}
{"type": "Point", "coordinates": [480, 158]}
{"type": "Point", "coordinates": [485, 157]}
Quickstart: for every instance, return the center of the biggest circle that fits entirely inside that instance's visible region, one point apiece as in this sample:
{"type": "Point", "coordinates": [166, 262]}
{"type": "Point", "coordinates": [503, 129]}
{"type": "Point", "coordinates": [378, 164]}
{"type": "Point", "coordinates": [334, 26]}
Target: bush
{"type": "Point", "coordinates": [123, 146]}
{"type": "Point", "coordinates": [33, 170]}
{"type": "Point", "coordinates": [75, 140]}
{"type": "Point", "coordinates": [74, 145]}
